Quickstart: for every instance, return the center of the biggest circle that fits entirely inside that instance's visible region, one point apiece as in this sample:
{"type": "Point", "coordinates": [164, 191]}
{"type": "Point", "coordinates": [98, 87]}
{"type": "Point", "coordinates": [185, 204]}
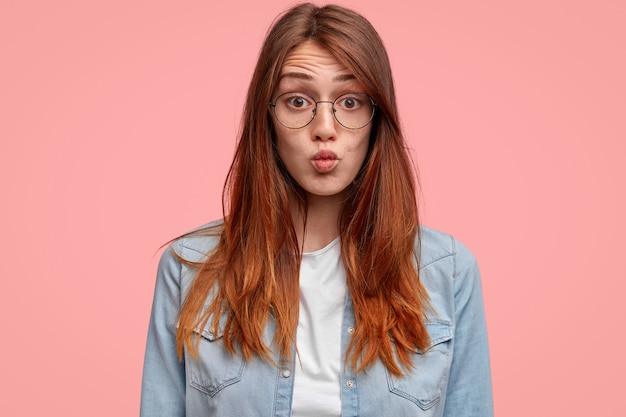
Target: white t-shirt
{"type": "Point", "coordinates": [316, 390]}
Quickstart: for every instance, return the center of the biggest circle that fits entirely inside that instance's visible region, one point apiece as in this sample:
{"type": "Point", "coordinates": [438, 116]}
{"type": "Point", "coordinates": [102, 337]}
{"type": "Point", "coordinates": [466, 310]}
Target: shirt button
{"type": "Point", "coordinates": [349, 383]}
{"type": "Point", "coordinates": [286, 373]}
{"type": "Point", "coordinates": [350, 330]}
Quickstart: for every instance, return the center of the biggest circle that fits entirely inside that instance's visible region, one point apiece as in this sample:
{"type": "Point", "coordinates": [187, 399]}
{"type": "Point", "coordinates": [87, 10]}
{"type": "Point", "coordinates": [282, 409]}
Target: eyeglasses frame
{"type": "Point", "coordinates": [314, 112]}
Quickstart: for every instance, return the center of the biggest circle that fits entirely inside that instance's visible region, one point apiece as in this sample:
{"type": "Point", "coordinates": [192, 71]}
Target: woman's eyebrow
{"type": "Point", "coordinates": [344, 77]}
{"type": "Point", "coordinates": [309, 77]}
{"type": "Point", "coordinates": [297, 75]}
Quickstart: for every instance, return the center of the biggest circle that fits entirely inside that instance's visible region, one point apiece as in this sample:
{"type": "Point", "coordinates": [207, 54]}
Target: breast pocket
{"type": "Point", "coordinates": [424, 385]}
{"type": "Point", "coordinates": [214, 368]}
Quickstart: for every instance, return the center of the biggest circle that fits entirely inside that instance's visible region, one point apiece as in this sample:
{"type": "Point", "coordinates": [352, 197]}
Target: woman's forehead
{"type": "Point", "coordinates": [309, 60]}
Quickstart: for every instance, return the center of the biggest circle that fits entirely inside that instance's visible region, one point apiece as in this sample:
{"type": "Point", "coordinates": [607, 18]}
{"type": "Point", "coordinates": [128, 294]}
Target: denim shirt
{"type": "Point", "coordinates": [450, 378]}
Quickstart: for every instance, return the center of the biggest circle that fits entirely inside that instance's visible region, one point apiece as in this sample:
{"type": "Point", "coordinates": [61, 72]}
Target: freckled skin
{"type": "Point", "coordinates": [297, 147]}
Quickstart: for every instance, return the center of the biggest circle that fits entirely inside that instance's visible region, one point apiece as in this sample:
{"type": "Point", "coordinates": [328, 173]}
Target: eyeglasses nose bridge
{"type": "Point", "coordinates": [325, 101]}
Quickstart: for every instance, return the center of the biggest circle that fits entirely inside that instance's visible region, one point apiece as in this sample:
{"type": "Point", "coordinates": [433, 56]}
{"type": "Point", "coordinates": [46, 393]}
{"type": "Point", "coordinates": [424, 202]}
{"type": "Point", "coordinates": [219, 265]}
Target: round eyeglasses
{"type": "Point", "coordinates": [296, 110]}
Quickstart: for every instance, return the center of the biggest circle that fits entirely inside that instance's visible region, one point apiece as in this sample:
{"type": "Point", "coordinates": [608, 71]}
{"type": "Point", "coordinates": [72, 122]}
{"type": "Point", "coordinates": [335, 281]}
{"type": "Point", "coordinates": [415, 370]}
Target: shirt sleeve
{"type": "Point", "coordinates": [163, 384]}
{"type": "Point", "coordinates": [469, 387]}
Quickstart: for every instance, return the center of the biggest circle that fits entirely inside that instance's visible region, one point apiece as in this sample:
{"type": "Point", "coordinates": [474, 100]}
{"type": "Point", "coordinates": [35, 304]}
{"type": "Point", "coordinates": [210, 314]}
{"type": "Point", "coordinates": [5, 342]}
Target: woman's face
{"type": "Point", "coordinates": [324, 157]}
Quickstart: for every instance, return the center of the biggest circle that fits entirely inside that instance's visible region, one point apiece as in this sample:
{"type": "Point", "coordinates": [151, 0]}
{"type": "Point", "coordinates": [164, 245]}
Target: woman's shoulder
{"type": "Point", "coordinates": [450, 274]}
{"type": "Point", "coordinates": [197, 244]}
{"type": "Point", "coordinates": [434, 245]}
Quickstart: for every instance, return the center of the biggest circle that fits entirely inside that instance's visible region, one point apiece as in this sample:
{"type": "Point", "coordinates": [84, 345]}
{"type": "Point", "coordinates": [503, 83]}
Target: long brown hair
{"type": "Point", "coordinates": [251, 276]}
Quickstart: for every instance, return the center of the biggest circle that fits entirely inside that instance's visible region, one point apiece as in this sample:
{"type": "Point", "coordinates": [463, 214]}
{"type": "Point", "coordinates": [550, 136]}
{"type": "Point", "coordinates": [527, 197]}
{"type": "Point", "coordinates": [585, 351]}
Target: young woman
{"type": "Point", "coordinates": [319, 293]}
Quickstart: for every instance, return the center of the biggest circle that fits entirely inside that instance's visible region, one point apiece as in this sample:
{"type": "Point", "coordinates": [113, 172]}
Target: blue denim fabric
{"type": "Point", "coordinates": [451, 378]}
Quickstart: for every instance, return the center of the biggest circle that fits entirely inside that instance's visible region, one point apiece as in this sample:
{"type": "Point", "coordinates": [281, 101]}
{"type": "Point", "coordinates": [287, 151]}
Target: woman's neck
{"type": "Point", "coordinates": [322, 221]}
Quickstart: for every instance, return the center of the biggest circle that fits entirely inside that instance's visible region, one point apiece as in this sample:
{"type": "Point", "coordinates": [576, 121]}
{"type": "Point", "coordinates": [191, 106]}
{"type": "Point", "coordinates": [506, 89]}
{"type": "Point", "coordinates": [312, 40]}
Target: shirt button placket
{"type": "Point", "coordinates": [350, 397]}
{"type": "Point", "coordinates": [283, 391]}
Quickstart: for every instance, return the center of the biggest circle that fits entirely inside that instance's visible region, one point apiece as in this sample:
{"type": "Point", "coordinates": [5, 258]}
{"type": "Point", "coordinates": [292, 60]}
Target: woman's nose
{"type": "Point", "coordinates": [324, 123]}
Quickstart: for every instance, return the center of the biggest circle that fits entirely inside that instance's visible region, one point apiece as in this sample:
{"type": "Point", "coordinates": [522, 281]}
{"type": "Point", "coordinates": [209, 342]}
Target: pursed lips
{"type": "Point", "coordinates": [324, 160]}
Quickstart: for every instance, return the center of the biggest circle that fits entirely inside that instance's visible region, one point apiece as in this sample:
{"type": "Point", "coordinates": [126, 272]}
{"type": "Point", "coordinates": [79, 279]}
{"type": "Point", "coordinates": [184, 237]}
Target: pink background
{"type": "Point", "coordinates": [118, 121]}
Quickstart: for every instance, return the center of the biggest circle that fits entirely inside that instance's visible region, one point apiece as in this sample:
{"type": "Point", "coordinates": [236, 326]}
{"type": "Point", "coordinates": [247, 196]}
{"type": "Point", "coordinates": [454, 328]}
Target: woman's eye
{"type": "Point", "coordinates": [349, 103]}
{"type": "Point", "coordinates": [297, 102]}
